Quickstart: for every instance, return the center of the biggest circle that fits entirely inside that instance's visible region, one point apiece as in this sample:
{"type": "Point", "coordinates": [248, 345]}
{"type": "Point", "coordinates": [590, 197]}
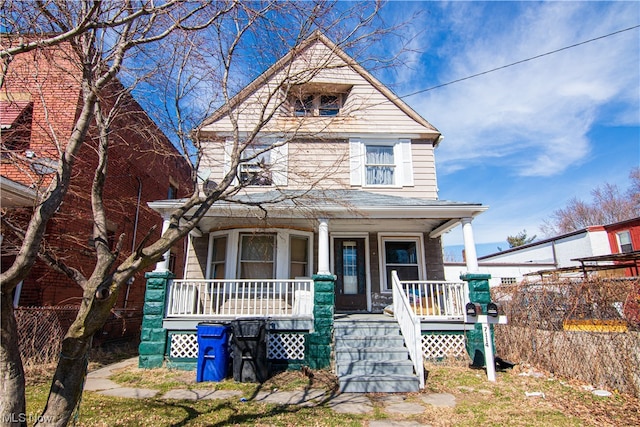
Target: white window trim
{"type": "Point", "coordinates": [282, 255]}
{"type": "Point", "coordinates": [403, 173]}
{"type": "Point", "coordinates": [400, 237]}
{"type": "Point", "coordinates": [628, 233]}
{"type": "Point", "coordinates": [279, 158]}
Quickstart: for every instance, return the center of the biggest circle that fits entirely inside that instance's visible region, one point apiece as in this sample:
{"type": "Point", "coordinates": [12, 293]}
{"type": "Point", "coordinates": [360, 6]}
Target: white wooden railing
{"type": "Point", "coordinates": [409, 326]}
{"type": "Point", "coordinates": [436, 301]}
{"type": "Point", "coordinates": [240, 298]}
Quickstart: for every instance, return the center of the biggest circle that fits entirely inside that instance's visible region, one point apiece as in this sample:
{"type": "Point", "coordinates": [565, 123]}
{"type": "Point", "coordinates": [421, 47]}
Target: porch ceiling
{"type": "Point", "coordinates": [350, 209]}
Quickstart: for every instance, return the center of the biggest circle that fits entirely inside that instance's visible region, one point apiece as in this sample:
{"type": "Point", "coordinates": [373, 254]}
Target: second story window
{"type": "Point", "coordinates": [255, 168]}
{"type": "Point", "coordinates": [380, 162]}
{"type": "Point", "coordinates": [624, 242]}
{"type": "Point", "coordinates": [380, 165]}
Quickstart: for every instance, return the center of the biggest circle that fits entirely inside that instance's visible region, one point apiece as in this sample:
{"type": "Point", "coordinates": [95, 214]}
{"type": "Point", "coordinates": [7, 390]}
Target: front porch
{"type": "Point", "coordinates": [300, 319]}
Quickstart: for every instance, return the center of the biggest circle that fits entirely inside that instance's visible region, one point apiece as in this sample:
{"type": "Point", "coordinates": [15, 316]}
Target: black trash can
{"type": "Point", "coordinates": [249, 348]}
{"type": "Point", "coordinates": [213, 351]}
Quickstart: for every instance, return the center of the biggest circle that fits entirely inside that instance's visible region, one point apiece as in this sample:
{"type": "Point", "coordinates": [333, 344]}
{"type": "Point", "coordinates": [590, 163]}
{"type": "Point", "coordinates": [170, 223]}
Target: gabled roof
{"type": "Point", "coordinates": [316, 37]}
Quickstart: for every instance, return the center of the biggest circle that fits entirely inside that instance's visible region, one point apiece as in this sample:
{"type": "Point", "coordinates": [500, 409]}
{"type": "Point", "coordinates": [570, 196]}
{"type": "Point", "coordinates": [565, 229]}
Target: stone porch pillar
{"type": "Point", "coordinates": [318, 344]}
{"type": "Point", "coordinates": [153, 337]}
{"type": "Point", "coordinates": [478, 285]}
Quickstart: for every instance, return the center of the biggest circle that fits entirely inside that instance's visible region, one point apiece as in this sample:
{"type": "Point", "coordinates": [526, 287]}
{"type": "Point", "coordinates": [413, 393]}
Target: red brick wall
{"type": "Point", "coordinates": [141, 162]}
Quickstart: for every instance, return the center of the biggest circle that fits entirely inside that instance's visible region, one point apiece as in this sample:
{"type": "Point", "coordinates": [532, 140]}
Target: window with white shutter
{"type": "Point", "coordinates": [380, 163]}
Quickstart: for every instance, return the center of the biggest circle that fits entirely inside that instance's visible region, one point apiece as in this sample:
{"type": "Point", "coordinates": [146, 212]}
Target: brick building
{"type": "Point", "coordinates": [39, 102]}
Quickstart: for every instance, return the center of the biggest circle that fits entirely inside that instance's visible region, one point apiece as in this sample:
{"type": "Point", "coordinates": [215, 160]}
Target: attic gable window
{"type": "Point", "coordinates": [317, 100]}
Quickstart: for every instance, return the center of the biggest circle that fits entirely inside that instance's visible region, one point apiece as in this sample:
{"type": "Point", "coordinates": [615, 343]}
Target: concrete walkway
{"type": "Point", "coordinates": [352, 403]}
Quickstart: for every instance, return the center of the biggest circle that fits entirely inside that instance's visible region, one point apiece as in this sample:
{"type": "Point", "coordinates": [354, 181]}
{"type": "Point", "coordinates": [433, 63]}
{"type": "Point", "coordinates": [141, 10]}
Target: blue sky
{"type": "Point", "coordinates": [527, 139]}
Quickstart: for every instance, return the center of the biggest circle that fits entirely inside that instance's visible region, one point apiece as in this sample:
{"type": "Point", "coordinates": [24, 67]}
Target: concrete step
{"type": "Point", "coordinates": [371, 353]}
{"type": "Point", "coordinates": [362, 341]}
{"type": "Point", "coordinates": [379, 383]}
{"type": "Point", "coordinates": [365, 328]}
{"type": "Point", "coordinates": [374, 367]}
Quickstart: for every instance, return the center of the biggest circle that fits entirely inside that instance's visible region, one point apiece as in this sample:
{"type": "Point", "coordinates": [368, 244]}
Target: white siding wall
{"type": "Point", "coordinates": [320, 158]}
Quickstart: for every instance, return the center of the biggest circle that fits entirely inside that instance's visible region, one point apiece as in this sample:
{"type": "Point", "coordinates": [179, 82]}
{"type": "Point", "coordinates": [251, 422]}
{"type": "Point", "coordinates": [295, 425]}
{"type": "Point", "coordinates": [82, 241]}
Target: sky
{"type": "Point", "coordinates": [526, 139]}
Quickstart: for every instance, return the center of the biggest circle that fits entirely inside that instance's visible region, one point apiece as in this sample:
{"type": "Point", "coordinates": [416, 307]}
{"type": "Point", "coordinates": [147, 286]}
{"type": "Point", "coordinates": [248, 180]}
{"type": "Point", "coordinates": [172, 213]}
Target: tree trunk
{"type": "Point", "coordinates": [68, 381]}
{"type": "Point", "coordinates": [12, 399]}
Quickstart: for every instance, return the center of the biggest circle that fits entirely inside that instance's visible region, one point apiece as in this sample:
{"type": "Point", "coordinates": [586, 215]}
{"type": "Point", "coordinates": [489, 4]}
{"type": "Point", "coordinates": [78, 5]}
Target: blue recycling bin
{"type": "Point", "coordinates": [213, 351]}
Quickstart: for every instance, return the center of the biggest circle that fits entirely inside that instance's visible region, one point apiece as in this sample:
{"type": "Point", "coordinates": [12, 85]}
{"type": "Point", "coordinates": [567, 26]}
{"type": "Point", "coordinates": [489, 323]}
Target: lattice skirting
{"type": "Point", "coordinates": [183, 346]}
{"type": "Point", "coordinates": [279, 346]}
{"type": "Point", "coordinates": [437, 346]}
{"type": "Point", "coordinates": [285, 346]}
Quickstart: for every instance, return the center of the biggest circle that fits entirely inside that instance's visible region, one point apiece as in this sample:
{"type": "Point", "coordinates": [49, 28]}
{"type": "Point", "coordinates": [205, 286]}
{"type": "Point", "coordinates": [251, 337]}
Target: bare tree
{"type": "Point", "coordinates": [608, 206]}
{"type": "Point", "coordinates": [208, 44]}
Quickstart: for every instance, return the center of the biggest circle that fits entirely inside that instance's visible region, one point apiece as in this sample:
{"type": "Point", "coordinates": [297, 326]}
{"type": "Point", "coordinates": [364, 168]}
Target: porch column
{"type": "Point", "coordinates": [469, 246]}
{"type": "Point", "coordinates": [153, 337]}
{"type": "Point", "coordinates": [323, 247]}
{"type": "Point", "coordinates": [163, 264]}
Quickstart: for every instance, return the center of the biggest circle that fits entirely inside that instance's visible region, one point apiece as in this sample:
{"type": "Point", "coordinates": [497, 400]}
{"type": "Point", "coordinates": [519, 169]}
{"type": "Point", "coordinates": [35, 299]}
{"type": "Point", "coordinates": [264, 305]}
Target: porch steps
{"type": "Point", "coordinates": [371, 356]}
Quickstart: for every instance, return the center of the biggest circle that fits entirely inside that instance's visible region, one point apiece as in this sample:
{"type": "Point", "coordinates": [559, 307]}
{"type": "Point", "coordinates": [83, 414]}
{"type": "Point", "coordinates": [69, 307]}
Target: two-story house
{"type": "Point", "coordinates": [340, 183]}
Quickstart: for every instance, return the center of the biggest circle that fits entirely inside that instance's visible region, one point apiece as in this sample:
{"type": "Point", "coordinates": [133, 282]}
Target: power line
{"type": "Point", "coordinates": [520, 62]}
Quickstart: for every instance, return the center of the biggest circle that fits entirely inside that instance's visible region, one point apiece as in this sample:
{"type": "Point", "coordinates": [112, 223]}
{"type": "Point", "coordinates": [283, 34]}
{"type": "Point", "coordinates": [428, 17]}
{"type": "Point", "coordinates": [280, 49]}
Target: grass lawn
{"type": "Point", "coordinates": [479, 402]}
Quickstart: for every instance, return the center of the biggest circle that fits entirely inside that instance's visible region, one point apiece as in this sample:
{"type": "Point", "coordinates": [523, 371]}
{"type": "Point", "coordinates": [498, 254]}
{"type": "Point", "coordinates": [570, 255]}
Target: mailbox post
{"type": "Point", "coordinates": [472, 314]}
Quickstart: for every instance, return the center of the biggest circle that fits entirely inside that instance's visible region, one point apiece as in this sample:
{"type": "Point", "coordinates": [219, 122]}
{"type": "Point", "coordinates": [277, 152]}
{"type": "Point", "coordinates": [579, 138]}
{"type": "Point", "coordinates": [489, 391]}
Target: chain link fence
{"type": "Point", "coordinates": [41, 330]}
{"type": "Point", "coordinates": [583, 329]}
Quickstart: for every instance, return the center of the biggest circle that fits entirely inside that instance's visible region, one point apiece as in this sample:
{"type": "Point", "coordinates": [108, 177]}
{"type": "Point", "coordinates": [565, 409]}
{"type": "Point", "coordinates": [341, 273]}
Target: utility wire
{"type": "Point", "coordinates": [520, 62]}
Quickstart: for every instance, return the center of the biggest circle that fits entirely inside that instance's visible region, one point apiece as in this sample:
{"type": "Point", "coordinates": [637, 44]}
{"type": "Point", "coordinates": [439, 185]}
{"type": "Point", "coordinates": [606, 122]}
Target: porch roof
{"type": "Point", "coordinates": [339, 204]}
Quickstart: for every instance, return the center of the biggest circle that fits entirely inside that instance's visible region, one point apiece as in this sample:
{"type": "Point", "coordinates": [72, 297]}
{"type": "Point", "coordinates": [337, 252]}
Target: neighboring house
{"type": "Point", "coordinates": [348, 192]}
{"type": "Point", "coordinates": [39, 102]}
{"type": "Point", "coordinates": [591, 249]}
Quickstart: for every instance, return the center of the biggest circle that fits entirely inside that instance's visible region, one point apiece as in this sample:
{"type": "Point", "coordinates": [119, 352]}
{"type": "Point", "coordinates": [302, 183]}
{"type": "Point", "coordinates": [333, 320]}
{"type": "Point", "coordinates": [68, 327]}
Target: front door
{"type": "Point", "coordinates": [351, 285]}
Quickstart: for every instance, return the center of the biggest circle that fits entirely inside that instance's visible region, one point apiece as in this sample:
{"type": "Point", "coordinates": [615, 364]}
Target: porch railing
{"type": "Point", "coordinates": [436, 301]}
{"type": "Point", "coordinates": [409, 326]}
{"type": "Point", "coordinates": [240, 298]}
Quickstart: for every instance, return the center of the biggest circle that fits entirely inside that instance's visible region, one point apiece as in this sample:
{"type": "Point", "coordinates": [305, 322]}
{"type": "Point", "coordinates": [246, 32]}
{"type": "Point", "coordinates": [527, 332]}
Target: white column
{"type": "Point", "coordinates": [323, 247]}
{"type": "Point", "coordinates": [163, 264]}
{"type": "Point", "coordinates": [469, 246]}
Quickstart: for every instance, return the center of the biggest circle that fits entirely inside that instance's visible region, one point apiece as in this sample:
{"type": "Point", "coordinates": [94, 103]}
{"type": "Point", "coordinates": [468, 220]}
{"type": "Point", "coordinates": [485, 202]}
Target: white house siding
{"type": "Point", "coordinates": [195, 267]}
{"type": "Point", "coordinates": [548, 254]}
{"type": "Point", "coordinates": [499, 273]}
{"type": "Point", "coordinates": [367, 110]}
{"type": "Point", "coordinates": [322, 163]}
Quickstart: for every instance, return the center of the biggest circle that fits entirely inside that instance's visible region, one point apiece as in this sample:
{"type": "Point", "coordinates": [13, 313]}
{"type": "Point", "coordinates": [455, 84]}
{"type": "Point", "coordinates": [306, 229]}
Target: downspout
{"type": "Point", "coordinates": [133, 240]}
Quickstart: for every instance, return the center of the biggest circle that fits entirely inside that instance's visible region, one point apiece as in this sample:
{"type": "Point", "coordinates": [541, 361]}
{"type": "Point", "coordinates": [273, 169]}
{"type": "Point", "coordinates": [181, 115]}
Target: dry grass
{"type": "Point", "coordinates": [479, 402]}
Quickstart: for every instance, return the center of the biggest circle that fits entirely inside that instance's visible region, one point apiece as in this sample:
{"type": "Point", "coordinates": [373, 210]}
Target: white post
{"type": "Point", "coordinates": [163, 265]}
{"type": "Point", "coordinates": [490, 361]}
{"type": "Point", "coordinates": [469, 246]}
{"type": "Point", "coordinates": [323, 247]}
{"type": "Point", "coordinates": [487, 338]}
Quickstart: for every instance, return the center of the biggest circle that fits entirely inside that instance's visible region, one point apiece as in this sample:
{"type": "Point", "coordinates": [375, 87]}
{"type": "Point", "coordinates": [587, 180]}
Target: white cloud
{"type": "Point", "coordinates": [534, 117]}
